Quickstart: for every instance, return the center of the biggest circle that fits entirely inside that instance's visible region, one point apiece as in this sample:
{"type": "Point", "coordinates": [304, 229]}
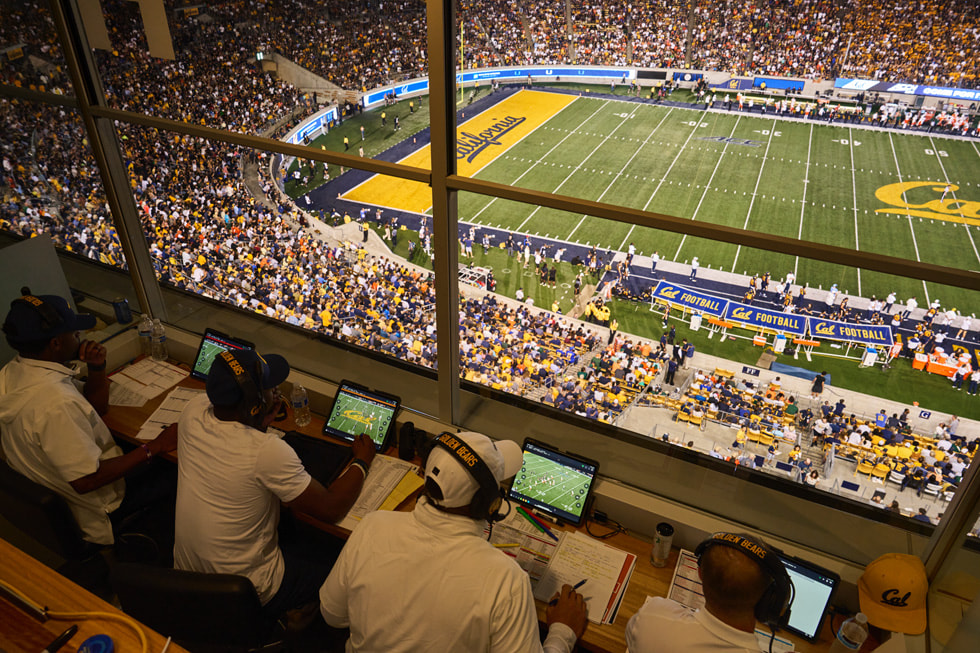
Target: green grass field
{"type": "Point", "coordinates": [803, 180]}
{"type": "Point", "coordinates": [543, 480]}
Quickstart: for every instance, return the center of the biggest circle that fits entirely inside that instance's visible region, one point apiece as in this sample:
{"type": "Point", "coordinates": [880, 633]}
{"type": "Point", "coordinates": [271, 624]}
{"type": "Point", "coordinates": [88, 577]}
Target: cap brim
{"type": "Point", "coordinates": [513, 457]}
{"type": "Point", "coordinates": [81, 322]}
{"type": "Point", "coordinates": [278, 370]}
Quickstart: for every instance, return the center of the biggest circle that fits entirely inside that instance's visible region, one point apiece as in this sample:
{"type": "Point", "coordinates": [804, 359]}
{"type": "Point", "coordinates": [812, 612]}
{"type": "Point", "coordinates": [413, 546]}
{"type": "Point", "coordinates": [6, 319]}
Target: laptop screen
{"type": "Point", "coordinates": [553, 482]}
{"type": "Point", "coordinates": [213, 343]}
{"type": "Point", "coordinates": [814, 588]}
{"type": "Point", "coordinates": [357, 410]}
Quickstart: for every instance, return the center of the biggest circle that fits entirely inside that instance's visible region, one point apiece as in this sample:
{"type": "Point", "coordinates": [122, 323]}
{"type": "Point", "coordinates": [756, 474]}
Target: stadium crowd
{"type": "Point", "coordinates": [206, 232]}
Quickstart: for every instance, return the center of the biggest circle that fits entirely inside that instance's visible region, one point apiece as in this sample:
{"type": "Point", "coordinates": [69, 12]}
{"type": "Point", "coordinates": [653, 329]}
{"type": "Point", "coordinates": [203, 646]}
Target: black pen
{"type": "Point", "coordinates": [574, 587]}
{"type": "Point", "coordinates": [60, 640]}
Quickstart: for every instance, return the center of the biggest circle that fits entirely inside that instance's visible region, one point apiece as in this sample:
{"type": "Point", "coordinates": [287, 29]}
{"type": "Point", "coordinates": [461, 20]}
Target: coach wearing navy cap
{"type": "Point", "coordinates": [52, 433]}
{"type": "Point", "coordinates": [233, 475]}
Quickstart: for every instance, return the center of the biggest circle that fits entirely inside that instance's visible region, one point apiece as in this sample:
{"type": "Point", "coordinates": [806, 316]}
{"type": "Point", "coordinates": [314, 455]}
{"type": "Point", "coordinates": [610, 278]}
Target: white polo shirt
{"type": "Point", "coordinates": [428, 581]}
{"type": "Point", "coordinates": [662, 625]}
{"type": "Point", "coordinates": [52, 435]}
{"type": "Point", "coordinates": [231, 479]}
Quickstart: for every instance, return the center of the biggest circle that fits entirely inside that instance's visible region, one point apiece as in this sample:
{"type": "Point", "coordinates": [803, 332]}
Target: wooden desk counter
{"type": "Point", "coordinates": [646, 580]}
{"type": "Point", "coordinates": [46, 587]}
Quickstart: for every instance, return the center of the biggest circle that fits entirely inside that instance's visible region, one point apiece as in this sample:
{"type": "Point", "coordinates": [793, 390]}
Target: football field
{"type": "Point", "coordinates": [541, 479]}
{"type": "Point", "coordinates": [871, 190]}
{"type": "Point", "coordinates": [356, 416]}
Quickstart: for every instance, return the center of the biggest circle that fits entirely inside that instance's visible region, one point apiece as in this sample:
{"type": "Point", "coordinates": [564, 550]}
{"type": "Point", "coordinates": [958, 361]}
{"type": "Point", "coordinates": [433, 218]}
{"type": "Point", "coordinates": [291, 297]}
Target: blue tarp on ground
{"type": "Point", "coordinates": [799, 372]}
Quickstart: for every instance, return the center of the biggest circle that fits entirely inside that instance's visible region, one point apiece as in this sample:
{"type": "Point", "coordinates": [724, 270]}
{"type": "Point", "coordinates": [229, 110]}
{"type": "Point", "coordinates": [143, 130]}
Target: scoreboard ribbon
{"type": "Point", "coordinates": [671, 292]}
{"type": "Point", "coordinates": [863, 333]}
{"type": "Point", "coordinates": [766, 319]}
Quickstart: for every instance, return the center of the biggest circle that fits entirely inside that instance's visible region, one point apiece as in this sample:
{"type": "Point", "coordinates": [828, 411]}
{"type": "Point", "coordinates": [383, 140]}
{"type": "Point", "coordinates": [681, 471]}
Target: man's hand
{"type": "Point", "coordinates": [165, 442]}
{"type": "Point", "coordinates": [364, 448]}
{"type": "Point", "coordinates": [91, 353]}
{"type": "Point", "coordinates": [569, 609]}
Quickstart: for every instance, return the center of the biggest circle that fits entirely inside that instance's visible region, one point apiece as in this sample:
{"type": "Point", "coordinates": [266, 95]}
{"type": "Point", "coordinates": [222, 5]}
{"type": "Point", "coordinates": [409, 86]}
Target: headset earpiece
{"type": "Point", "coordinates": [773, 607]}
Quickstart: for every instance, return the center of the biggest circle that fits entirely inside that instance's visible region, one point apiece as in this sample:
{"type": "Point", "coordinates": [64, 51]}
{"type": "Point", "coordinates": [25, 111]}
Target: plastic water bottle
{"type": "Point", "coordinates": [851, 635]}
{"type": "Point", "coordinates": [146, 334]}
{"type": "Point", "coordinates": [158, 341]}
{"type": "Point", "coordinates": [301, 405]}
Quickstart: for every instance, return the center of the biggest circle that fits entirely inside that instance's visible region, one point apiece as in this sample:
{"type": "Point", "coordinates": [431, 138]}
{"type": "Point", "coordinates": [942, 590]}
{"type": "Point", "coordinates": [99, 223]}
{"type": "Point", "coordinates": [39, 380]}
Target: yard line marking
{"type": "Point", "coordinates": [938, 158]}
{"type": "Point", "coordinates": [605, 102]}
{"type": "Point", "coordinates": [806, 182]}
{"type": "Point", "coordinates": [857, 245]}
{"type": "Point", "coordinates": [579, 166]}
{"type": "Point", "coordinates": [738, 250]}
{"type": "Point", "coordinates": [915, 243]}
{"type": "Point", "coordinates": [698, 208]}
{"type": "Point", "coordinates": [620, 173]}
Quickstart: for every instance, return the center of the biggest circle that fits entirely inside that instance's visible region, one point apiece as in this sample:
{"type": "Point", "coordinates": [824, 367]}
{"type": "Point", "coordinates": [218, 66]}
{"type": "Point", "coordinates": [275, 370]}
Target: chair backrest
{"type": "Point", "coordinates": [41, 513]}
{"type": "Point", "coordinates": [848, 485]}
{"type": "Point", "coordinates": [785, 467]}
{"type": "Point", "coordinates": [198, 610]}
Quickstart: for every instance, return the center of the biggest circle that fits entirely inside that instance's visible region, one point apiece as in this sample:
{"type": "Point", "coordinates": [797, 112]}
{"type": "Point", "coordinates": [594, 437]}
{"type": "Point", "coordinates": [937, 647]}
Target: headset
{"type": "Point", "coordinates": [253, 406]}
{"type": "Point", "coordinates": [489, 496]}
{"type": "Point", "coordinates": [773, 607]}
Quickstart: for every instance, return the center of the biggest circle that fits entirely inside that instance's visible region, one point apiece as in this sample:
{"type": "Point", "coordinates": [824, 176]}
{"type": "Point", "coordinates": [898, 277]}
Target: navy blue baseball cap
{"type": "Point", "coordinates": [265, 371]}
{"type": "Point", "coordinates": [38, 319]}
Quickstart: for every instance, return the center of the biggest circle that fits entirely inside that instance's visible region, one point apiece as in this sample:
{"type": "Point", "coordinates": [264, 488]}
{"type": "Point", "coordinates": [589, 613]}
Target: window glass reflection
{"type": "Point", "coordinates": [30, 56]}
{"type": "Point", "coordinates": [52, 184]}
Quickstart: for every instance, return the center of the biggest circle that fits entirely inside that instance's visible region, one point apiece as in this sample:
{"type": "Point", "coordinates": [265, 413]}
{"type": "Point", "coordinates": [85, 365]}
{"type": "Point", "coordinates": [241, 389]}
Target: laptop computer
{"type": "Point", "coordinates": [357, 409]}
{"type": "Point", "coordinates": [213, 343]}
{"type": "Point", "coordinates": [555, 483]}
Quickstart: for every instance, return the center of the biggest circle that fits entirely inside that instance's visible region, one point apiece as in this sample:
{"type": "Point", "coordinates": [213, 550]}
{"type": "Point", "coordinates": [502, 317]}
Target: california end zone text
{"type": "Point", "coordinates": [468, 145]}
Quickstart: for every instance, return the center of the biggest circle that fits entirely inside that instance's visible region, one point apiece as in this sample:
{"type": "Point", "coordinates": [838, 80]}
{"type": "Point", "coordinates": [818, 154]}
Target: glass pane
{"type": "Point", "coordinates": [53, 181]}
{"type": "Point", "coordinates": [774, 172]}
{"type": "Point", "coordinates": [218, 227]}
{"type": "Point", "coordinates": [30, 55]}
{"type": "Point", "coordinates": [266, 71]}
{"type": "Point", "coordinates": [580, 325]}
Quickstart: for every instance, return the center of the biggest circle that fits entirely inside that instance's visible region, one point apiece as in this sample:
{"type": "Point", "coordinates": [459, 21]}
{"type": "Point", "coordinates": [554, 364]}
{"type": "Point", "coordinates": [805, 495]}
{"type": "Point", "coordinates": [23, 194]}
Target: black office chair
{"type": "Point", "coordinates": [202, 612]}
{"type": "Point", "coordinates": [44, 516]}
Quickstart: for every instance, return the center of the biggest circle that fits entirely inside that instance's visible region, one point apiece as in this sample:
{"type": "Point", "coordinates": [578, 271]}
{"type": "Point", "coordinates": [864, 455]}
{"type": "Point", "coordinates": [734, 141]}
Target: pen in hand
{"type": "Point", "coordinates": [574, 587]}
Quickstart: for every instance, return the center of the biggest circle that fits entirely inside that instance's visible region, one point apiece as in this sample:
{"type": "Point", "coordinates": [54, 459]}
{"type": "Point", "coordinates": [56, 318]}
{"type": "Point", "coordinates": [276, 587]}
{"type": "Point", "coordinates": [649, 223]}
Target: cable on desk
{"type": "Point", "coordinates": [616, 529]}
{"type": "Point", "coordinates": [106, 616]}
{"type": "Point", "coordinates": [43, 613]}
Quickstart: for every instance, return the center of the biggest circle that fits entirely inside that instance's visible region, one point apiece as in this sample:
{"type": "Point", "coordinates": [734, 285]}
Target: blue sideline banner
{"type": "Point", "coordinates": [863, 333]}
{"type": "Point", "coordinates": [766, 319]}
{"type": "Point", "coordinates": [697, 301]}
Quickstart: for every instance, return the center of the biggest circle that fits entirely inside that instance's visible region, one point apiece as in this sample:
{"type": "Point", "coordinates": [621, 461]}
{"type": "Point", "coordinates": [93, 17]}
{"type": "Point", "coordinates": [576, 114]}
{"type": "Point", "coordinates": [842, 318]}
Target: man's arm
{"type": "Point", "coordinates": [113, 469]}
{"type": "Point", "coordinates": [331, 504]}
{"type": "Point", "coordinates": [96, 388]}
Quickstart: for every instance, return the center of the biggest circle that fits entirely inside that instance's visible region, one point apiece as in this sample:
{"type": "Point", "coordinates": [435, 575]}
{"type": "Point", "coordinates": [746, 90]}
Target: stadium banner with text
{"type": "Point", "coordinates": [671, 292]}
{"type": "Point", "coordinates": [549, 74]}
{"type": "Point", "coordinates": [765, 319]}
{"type": "Point", "coordinates": [864, 333]}
{"type": "Point", "coordinates": [966, 94]}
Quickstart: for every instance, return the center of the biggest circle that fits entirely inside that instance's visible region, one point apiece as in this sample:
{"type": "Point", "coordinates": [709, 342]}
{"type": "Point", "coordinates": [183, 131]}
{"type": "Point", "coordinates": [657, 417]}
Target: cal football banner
{"type": "Point", "coordinates": [765, 319]}
{"type": "Point", "coordinates": [679, 295]}
{"type": "Point", "coordinates": [863, 333]}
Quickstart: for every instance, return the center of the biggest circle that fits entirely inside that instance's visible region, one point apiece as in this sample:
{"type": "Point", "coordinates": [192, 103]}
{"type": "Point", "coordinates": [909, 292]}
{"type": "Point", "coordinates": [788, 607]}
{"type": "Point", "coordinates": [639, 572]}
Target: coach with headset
{"type": "Point", "coordinates": [428, 581]}
{"type": "Point", "coordinates": [53, 433]}
{"type": "Point", "coordinates": [743, 582]}
{"type": "Point", "coordinates": [233, 475]}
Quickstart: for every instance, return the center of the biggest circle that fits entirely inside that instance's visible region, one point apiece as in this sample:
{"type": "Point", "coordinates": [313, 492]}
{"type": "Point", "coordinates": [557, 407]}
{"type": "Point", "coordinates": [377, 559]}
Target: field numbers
{"type": "Point", "coordinates": [695, 123]}
{"type": "Point", "coordinates": [845, 141]}
{"type": "Point", "coordinates": [934, 153]}
{"type": "Point", "coordinates": [765, 132]}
